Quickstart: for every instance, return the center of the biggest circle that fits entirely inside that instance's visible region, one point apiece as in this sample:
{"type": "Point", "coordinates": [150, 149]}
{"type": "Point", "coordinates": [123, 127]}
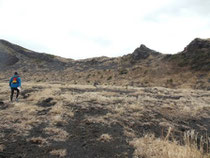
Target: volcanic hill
{"type": "Point", "coordinates": [141, 105]}
{"type": "Point", "coordinates": [144, 67]}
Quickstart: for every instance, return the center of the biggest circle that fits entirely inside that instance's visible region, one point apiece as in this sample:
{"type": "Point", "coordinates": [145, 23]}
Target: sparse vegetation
{"type": "Point", "coordinates": [123, 71]}
{"type": "Point", "coordinates": [52, 119]}
{"type": "Point", "coordinates": [88, 75]}
{"type": "Point", "coordinates": [144, 66]}
{"type": "Point", "coordinates": [50, 56]}
{"type": "Point", "coordinates": [151, 147]}
{"type": "Point", "coordinates": [60, 115]}
{"type": "Point", "coordinates": [109, 78]}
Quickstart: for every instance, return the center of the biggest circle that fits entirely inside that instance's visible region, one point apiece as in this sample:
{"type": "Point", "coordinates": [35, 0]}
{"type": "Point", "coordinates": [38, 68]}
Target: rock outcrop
{"type": "Point", "coordinates": [143, 67]}
{"type": "Point", "coordinates": [197, 44]}
{"type": "Point", "coordinates": [12, 54]}
{"type": "Point", "coordinates": [196, 55]}
{"type": "Point", "coordinates": [142, 53]}
{"type": "Point", "coordinates": [7, 57]}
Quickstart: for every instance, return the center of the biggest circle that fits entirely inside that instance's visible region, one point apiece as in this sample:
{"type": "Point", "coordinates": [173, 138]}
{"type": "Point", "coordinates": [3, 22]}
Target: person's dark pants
{"type": "Point", "coordinates": [12, 93]}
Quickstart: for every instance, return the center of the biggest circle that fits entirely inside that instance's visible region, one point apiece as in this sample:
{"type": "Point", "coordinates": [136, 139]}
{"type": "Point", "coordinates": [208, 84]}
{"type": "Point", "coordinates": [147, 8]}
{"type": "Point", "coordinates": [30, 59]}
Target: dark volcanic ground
{"type": "Point", "coordinates": [54, 120]}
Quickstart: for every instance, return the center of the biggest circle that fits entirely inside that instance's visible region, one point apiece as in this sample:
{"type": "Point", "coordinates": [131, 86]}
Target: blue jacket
{"type": "Point", "coordinates": [15, 81]}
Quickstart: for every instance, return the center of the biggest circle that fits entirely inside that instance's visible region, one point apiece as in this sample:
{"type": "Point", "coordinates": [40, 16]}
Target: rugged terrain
{"type": "Point", "coordinates": [141, 105]}
{"type": "Point", "coordinates": [144, 67]}
{"type": "Point", "coordinates": [77, 121]}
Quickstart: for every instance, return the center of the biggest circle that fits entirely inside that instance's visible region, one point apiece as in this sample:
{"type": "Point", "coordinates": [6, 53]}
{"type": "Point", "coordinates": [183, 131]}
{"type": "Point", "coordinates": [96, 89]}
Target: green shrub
{"type": "Point", "coordinates": [109, 78]}
{"type": "Point", "coordinates": [123, 71]}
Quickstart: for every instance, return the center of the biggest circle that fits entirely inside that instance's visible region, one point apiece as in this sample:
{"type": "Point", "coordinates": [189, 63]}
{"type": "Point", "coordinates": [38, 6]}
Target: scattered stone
{"type": "Point", "coordinates": [36, 140]}
{"type": "Point", "coordinates": [3, 106]}
{"type": "Point", "coordinates": [95, 84]}
{"type": "Point", "coordinates": [1, 103]}
{"type": "Point", "coordinates": [26, 93]}
{"type": "Point", "coordinates": [46, 102]}
{"type": "Point", "coordinates": [43, 112]}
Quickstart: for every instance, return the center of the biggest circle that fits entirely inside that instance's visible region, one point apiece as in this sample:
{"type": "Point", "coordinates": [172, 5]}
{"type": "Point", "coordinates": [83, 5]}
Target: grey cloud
{"type": "Point", "coordinates": [199, 7]}
{"type": "Point", "coordinates": [99, 40]}
{"type": "Point", "coordinates": [102, 42]}
{"type": "Point", "coordinates": [181, 8]}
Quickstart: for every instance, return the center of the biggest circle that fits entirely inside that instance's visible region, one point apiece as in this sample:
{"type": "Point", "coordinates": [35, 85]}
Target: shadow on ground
{"type": "Point", "coordinates": [84, 140]}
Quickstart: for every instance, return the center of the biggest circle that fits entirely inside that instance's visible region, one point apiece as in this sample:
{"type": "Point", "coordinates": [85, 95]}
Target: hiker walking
{"type": "Point", "coordinates": [15, 84]}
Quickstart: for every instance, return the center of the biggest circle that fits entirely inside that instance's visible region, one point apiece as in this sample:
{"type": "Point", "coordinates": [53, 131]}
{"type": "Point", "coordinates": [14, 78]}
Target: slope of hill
{"type": "Point", "coordinates": [15, 56]}
{"type": "Point", "coordinates": [82, 121]}
{"type": "Point", "coordinates": [144, 67]}
{"type": "Point", "coordinates": [61, 114]}
{"type": "Point", "coordinates": [196, 55]}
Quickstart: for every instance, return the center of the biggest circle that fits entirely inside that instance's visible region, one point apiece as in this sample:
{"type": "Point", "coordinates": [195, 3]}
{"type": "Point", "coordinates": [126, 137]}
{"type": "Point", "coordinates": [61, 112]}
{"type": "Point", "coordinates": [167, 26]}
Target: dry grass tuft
{"type": "Point", "coordinates": [59, 152]}
{"type": "Point", "coordinates": [2, 147]}
{"type": "Point", "coordinates": [37, 140]}
{"type": "Point", "coordinates": [133, 109]}
{"type": "Point", "coordinates": [105, 138]}
{"type": "Point", "coordinates": [151, 147]}
{"type": "Point", "coordinates": [57, 134]}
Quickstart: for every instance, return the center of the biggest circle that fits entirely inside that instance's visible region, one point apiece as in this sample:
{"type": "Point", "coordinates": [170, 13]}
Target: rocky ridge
{"type": "Point", "coordinates": [144, 67]}
{"type": "Point", "coordinates": [196, 55]}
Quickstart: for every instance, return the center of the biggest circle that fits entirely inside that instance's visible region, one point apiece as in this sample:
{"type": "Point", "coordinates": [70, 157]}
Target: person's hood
{"type": "Point", "coordinates": [15, 76]}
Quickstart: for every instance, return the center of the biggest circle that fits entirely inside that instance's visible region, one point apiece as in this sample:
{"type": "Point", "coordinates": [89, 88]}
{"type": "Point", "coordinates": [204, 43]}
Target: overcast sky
{"type": "Point", "coordinates": [90, 28]}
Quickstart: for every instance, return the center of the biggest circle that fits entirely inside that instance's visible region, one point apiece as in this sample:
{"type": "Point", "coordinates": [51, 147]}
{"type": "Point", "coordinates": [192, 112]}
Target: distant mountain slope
{"type": "Point", "coordinates": [196, 55]}
{"type": "Point", "coordinates": [7, 56]}
{"type": "Point", "coordinates": [19, 57]}
{"type": "Point", "coordinates": [144, 67]}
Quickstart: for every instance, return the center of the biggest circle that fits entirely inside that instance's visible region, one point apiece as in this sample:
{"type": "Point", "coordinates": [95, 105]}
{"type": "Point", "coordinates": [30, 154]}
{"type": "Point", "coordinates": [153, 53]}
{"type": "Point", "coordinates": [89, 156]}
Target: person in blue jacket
{"type": "Point", "coordinates": [15, 84]}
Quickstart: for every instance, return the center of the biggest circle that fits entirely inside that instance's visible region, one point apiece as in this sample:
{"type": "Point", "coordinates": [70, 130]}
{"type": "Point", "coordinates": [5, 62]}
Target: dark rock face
{"type": "Point", "coordinates": [196, 56]}
{"type": "Point", "coordinates": [142, 53]}
{"type": "Point", "coordinates": [197, 44]}
{"type": "Point", "coordinates": [7, 59]}
{"type": "Point", "coordinates": [27, 53]}
{"type": "Point", "coordinates": [10, 54]}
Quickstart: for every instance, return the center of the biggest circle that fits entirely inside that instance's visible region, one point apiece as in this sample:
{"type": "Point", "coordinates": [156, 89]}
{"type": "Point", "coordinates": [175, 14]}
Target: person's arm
{"type": "Point", "coordinates": [19, 81]}
{"type": "Point", "coordinates": [10, 81]}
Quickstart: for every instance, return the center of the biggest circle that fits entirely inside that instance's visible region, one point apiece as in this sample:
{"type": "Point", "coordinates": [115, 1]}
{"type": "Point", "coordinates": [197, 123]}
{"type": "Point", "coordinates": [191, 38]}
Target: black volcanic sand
{"type": "Point", "coordinates": [83, 141]}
